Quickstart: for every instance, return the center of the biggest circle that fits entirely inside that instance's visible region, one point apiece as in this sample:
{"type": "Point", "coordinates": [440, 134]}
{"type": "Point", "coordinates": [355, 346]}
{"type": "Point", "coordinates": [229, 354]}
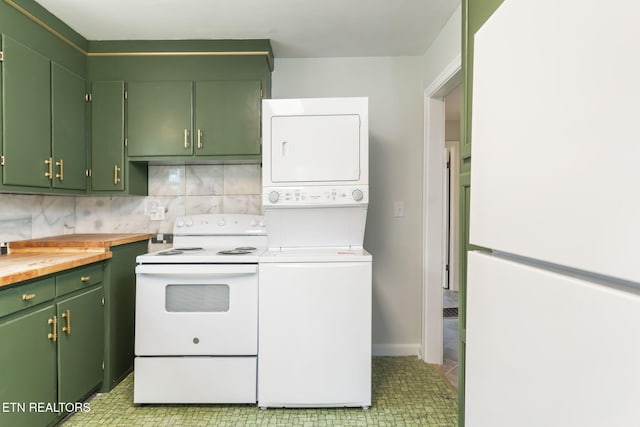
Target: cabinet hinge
{"type": "Point", "coordinates": [1, 56]}
{"type": "Point", "coordinates": [88, 97]}
{"type": "Point", "coordinates": [126, 142]}
{"type": "Point", "coordinates": [2, 160]}
{"type": "Point", "coordinates": [88, 172]}
{"type": "Point", "coordinates": [102, 300]}
{"type": "Point", "coordinates": [103, 365]}
{"type": "Point", "coordinates": [126, 95]}
{"type": "Point", "coordinates": [261, 93]}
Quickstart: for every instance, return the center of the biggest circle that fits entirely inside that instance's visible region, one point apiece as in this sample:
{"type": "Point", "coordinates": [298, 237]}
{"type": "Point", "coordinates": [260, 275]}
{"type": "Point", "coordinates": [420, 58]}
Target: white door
{"type": "Point", "coordinates": [555, 171]}
{"type": "Point", "coordinates": [544, 349]}
{"type": "Point", "coordinates": [315, 334]}
{"type": "Point", "coordinates": [315, 148]}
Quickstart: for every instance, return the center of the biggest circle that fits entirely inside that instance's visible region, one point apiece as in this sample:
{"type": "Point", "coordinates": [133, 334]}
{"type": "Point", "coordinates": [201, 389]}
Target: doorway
{"type": "Point", "coordinates": [451, 193]}
{"type": "Point", "coordinates": [435, 211]}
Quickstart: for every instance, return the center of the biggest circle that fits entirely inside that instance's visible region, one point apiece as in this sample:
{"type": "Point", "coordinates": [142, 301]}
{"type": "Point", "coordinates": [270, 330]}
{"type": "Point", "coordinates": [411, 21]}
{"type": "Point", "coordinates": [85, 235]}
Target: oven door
{"type": "Point", "coordinates": [196, 309]}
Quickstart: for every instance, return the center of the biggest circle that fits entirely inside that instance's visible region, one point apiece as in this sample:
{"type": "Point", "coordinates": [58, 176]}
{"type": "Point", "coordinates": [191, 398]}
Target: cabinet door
{"type": "Point", "coordinates": [68, 145]}
{"type": "Point", "coordinates": [26, 116]}
{"type": "Point", "coordinates": [80, 344]}
{"type": "Point", "coordinates": [159, 118]}
{"type": "Point", "coordinates": [27, 367]}
{"type": "Point", "coordinates": [107, 135]}
{"type": "Point", "coordinates": [475, 13]}
{"type": "Point", "coordinates": [227, 117]}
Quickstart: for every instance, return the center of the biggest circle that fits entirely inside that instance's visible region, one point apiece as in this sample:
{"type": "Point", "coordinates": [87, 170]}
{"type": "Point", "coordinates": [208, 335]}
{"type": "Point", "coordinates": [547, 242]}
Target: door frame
{"type": "Point", "coordinates": [434, 242]}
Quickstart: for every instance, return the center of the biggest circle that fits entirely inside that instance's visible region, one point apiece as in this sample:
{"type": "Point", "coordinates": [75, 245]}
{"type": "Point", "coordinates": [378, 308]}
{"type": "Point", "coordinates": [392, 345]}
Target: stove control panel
{"type": "Point", "coordinates": [315, 196]}
{"type": "Point", "coordinates": [220, 224]}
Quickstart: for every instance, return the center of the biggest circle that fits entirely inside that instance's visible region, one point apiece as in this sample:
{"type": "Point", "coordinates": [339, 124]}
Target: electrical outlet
{"type": "Point", "coordinates": [158, 215]}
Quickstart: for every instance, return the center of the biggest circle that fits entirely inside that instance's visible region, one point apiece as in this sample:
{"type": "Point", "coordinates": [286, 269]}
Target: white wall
{"type": "Point", "coordinates": [444, 49]}
{"type": "Point", "coordinates": [394, 88]}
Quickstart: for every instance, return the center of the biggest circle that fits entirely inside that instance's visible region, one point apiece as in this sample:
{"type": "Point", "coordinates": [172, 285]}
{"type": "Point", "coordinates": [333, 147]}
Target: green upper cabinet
{"type": "Point", "coordinates": [107, 135]}
{"type": "Point", "coordinates": [159, 118]}
{"type": "Point", "coordinates": [110, 172]}
{"type": "Point", "coordinates": [44, 122]}
{"type": "Point", "coordinates": [68, 114]}
{"type": "Point", "coordinates": [227, 117]}
{"type": "Point", "coordinates": [26, 116]}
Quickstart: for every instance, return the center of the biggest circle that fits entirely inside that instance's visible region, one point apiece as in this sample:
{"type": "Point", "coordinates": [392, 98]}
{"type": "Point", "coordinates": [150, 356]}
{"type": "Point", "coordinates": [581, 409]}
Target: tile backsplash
{"type": "Point", "coordinates": [173, 191]}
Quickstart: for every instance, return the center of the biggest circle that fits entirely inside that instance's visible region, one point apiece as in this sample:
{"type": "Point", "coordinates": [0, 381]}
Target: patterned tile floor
{"type": "Point", "coordinates": [406, 392]}
{"type": "Point", "coordinates": [450, 339]}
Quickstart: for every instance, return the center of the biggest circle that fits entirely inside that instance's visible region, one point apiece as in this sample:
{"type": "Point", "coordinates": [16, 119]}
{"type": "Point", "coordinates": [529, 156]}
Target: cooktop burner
{"type": "Point", "coordinates": [171, 252]}
{"type": "Point", "coordinates": [188, 249]}
{"type": "Point", "coordinates": [243, 250]}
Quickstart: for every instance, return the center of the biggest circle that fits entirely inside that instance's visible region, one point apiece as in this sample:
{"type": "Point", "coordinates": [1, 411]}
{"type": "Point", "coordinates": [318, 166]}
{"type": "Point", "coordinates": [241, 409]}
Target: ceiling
{"type": "Point", "coordinates": [297, 28]}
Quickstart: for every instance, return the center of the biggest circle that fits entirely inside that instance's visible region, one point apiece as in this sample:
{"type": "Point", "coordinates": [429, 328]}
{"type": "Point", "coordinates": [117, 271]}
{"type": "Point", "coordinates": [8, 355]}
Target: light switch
{"type": "Point", "coordinates": [398, 208]}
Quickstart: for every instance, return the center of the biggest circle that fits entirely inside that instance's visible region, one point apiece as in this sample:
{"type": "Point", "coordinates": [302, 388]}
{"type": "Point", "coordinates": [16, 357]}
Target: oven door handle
{"type": "Point", "coordinates": [197, 269]}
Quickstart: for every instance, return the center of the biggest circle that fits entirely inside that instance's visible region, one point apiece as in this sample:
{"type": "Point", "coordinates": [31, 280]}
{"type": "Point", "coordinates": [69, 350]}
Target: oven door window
{"type": "Point", "coordinates": [197, 298]}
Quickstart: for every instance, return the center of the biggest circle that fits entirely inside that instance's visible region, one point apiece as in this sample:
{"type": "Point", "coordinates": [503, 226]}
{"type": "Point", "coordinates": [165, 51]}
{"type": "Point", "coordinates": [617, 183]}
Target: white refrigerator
{"type": "Point", "coordinates": [553, 308]}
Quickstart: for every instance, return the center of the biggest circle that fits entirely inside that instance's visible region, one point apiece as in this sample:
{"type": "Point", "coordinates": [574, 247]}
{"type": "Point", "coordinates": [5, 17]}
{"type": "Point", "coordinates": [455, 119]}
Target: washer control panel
{"type": "Point", "coordinates": [315, 196]}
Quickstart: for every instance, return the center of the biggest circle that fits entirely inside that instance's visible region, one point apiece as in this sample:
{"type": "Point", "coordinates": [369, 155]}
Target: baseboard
{"type": "Point", "coordinates": [396, 349]}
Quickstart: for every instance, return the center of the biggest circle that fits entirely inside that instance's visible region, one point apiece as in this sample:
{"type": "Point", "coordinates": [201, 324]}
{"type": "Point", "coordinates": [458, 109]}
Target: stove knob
{"type": "Point", "coordinates": [179, 223]}
{"type": "Point", "coordinates": [221, 222]}
{"type": "Point", "coordinates": [274, 196]}
{"type": "Point", "coordinates": [253, 223]}
{"type": "Point", "coordinates": [357, 195]}
{"type": "Point", "coordinates": [189, 223]}
{"type": "Point", "coordinates": [261, 223]}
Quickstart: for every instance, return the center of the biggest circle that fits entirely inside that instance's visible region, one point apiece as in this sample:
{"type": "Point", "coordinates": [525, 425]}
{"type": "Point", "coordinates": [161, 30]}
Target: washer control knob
{"type": "Point", "coordinates": [221, 222]}
{"type": "Point", "coordinates": [179, 223]}
{"type": "Point", "coordinates": [253, 223]}
{"type": "Point", "coordinates": [274, 196]}
{"type": "Point", "coordinates": [261, 223]}
{"type": "Point", "coordinates": [357, 195]}
{"type": "Point", "coordinates": [189, 223]}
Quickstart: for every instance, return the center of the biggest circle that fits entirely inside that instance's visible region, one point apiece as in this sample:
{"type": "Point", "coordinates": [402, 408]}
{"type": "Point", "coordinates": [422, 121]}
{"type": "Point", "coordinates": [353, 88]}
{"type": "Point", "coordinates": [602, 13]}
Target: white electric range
{"type": "Point", "coordinates": [196, 335]}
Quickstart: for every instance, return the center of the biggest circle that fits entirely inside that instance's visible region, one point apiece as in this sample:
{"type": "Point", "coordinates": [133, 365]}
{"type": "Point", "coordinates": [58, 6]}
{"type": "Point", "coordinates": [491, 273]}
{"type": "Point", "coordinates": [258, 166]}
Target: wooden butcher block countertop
{"type": "Point", "coordinates": [68, 241]}
{"type": "Point", "coordinates": [29, 259]}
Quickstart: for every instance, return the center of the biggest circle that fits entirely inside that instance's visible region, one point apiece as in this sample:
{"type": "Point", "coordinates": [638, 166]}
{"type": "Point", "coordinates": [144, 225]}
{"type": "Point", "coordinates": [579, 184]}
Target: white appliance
{"type": "Point", "coordinates": [553, 311]}
{"type": "Point", "coordinates": [315, 279]}
{"type": "Point", "coordinates": [196, 319]}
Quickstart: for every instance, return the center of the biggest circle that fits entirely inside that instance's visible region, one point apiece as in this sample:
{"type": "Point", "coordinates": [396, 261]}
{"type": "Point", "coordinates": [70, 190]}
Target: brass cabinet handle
{"type": "Point", "coordinates": [186, 138]}
{"type": "Point", "coordinates": [116, 178]}
{"type": "Point", "coordinates": [67, 316]}
{"type": "Point", "coordinates": [85, 278]}
{"type": "Point", "coordinates": [61, 174]}
{"type": "Point", "coordinates": [200, 133]}
{"type": "Point", "coordinates": [53, 335]}
{"type": "Point", "coordinates": [49, 162]}
{"type": "Point", "coordinates": [28, 297]}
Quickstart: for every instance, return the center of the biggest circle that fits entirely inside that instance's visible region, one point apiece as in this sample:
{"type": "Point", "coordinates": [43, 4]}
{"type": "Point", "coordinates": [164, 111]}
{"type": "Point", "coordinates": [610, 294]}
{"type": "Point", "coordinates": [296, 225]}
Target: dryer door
{"type": "Point", "coordinates": [315, 148]}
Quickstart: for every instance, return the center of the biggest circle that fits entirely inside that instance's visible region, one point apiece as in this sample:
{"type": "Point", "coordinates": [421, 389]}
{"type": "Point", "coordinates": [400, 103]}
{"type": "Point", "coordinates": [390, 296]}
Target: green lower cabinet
{"type": "Point", "coordinates": [52, 336]}
{"type": "Point", "coordinates": [27, 367]}
{"type": "Point", "coordinates": [227, 117]}
{"type": "Point", "coordinates": [80, 344]}
{"type": "Point", "coordinates": [120, 301]}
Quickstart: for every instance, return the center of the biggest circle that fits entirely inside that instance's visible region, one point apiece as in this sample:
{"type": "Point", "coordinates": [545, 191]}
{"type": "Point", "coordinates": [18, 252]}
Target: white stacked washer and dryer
{"type": "Point", "coordinates": [314, 347]}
